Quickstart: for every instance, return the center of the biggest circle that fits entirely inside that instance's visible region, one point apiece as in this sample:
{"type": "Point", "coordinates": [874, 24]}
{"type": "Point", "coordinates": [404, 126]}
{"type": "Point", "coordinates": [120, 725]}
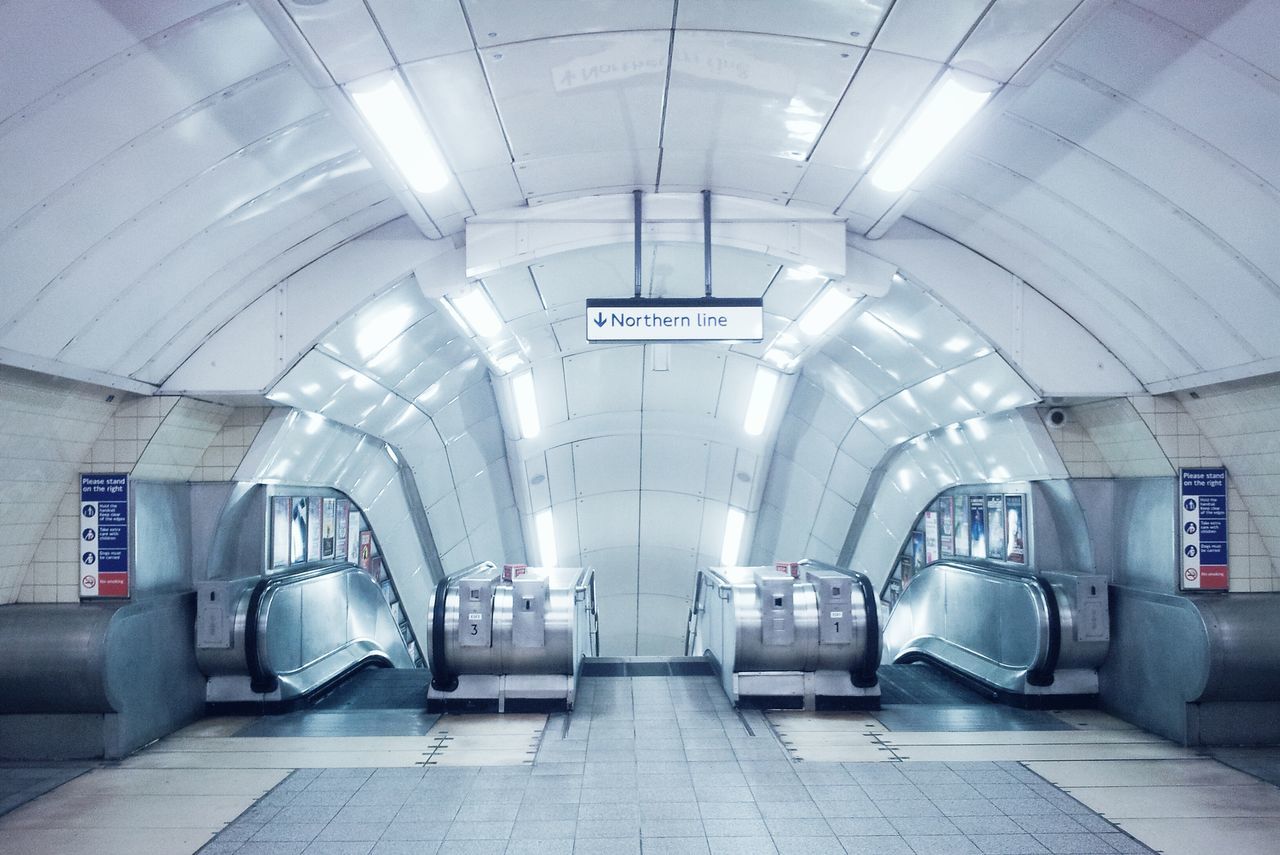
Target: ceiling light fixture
{"type": "Point", "coordinates": [478, 312]}
{"type": "Point", "coordinates": [526, 404]}
{"type": "Point", "coordinates": [398, 124]}
{"type": "Point", "coordinates": [946, 110]}
{"type": "Point", "coordinates": [761, 401]}
{"type": "Point", "coordinates": [734, 522]}
{"type": "Point", "coordinates": [545, 524]}
{"type": "Point", "coordinates": [823, 312]}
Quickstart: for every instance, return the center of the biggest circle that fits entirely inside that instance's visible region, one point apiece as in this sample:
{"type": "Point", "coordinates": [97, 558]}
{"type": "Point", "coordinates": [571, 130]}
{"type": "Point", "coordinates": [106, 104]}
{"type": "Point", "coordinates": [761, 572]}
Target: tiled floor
{"type": "Point", "coordinates": [653, 765]}
{"type": "Point", "coordinates": [20, 784]}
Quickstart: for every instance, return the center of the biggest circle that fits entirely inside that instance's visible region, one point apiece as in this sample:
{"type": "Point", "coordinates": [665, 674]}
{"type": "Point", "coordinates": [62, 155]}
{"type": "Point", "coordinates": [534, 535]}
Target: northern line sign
{"type": "Point", "coordinates": [676, 319]}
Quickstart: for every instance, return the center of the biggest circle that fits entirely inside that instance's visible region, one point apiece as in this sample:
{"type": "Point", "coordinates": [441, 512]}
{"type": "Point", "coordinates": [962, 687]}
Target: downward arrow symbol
{"type": "Point", "coordinates": [599, 319]}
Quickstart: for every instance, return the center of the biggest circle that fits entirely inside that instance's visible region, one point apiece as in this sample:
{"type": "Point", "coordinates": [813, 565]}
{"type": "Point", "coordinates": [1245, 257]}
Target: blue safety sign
{"type": "Point", "coordinates": [1202, 494]}
{"type": "Point", "coordinates": [104, 535]}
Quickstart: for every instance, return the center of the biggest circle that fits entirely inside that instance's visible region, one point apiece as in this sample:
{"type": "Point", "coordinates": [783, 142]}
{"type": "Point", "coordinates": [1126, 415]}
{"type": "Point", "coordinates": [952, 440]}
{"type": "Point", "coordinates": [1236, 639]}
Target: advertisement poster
{"type": "Point", "coordinates": [313, 528]}
{"type": "Point", "coordinates": [104, 535]}
{"type": "Point", "coordinates": [917, 552]}
{"type": "Point", "coordinates": [977, 527]}
{"type": "Point", "coordinates": [297, 530]}
{"type": "Point", "coordinates": [366, 551]}
{"type": "Point", "coordinates": [995, 527]}
{"type": "Point", "coordinates": [1202, 503]}
{"type": "Point", "coordinates": [343, 520]}
{"type": "Point", "coordinates": [946, 516]}
{"type": "Point", "coordinates": [327, 533]}
{"type": "Point", "coordinates": [353, 537]}
{"type": "Point", "coordinates": [931, 546]}
{"type": "Point", "coordinates": [1015, 529]}
{"type": "Point", "coordinates": [279, 531]}
{"type": "Point", "coordinates": [962, 526]}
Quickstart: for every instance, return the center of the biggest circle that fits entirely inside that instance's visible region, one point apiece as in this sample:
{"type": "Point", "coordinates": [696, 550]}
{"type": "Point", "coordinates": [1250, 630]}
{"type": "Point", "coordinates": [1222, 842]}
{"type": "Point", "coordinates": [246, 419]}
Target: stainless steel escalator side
{"type": "Point", "coordinates": [1019, 633]}
{"type": "Point", "coordinates": [282, 637]}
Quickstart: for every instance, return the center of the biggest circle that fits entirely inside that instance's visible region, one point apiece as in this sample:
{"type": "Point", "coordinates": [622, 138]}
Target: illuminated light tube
{"type": "Point", "coordinates": [398, 124]}
{"type": "Point", "coordinates": [734, 522]}
{"type": "Point", "coordinates": [526, 404]}
{"type": "Point", "coordinates": [545, 525]}
{"type": "Point", "coordinates": [478, 311]}
{"type": "Point", "coordinates": [825, 311]}
{"type": "Point", "coordinates": [944, 113]}
{"type": "Point", "coordinates": [761, 401]}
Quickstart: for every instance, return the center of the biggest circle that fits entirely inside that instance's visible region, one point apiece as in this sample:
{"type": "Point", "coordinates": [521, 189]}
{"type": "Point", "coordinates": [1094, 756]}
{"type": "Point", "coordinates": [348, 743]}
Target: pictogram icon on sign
{"type": "Point", "coordinates": [89, 559]}
{"type": "Point", "coordinates": [1190, 528]}
{"type": "Point", "coordinates": [1191, 574]}
{"type": "Point", "coordinates": [1191, 551]}
{"type": "Point", "coordinates": [89, 582]}
{"type": "Point", "coordinates": [89, 511]}
{"type": "Point", "coordinates": [88, 534]}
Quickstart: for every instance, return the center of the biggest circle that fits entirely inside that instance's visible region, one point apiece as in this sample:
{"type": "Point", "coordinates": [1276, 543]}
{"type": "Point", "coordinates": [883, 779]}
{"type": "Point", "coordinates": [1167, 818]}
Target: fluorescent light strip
{"type": "Point", "coordinates": [478, 311]}
{"type": "Point", "coordinates": [545, 525]}
{"type": "Point", "coordinates": [944, 113]}
{"type": "Point", "coordinates": [398, 124]}
{"type": "Point", "coordinates": [734, 522]}
{"type": "Point", "coordinates": [825, 311]}
{"type": "Point", "coordinates": [761, 401]}
{"type": "Point", "coordinates": [526, 404]}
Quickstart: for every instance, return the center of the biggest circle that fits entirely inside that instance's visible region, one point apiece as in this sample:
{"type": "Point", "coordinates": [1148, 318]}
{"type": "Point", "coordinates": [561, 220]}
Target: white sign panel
{"type": "Point", "coordinates": [710, 319]}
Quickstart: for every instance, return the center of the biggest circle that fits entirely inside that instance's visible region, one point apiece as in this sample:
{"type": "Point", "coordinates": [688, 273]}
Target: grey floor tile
{"type": "Point", "coordinates": [986, 825]}
{"type": "Point", "coordinates": [287, 832]}
{"type": "Point", "coordinates": [609, 810]}
{"type": "Point", "coordinates": [729, 810]}
{"type": "Point", "coordinates": [675, 846]}
{"type": "Point", "coordinates": [415, 831]}
{"type": "Point", "coordinates": [966, 807]}
{"type": "Point", "coordinates": [809, 845]}
{"type": "Point", "coordinates": [942, 844]}
{"type": "Point", "coordinates": [861, 826]}
{"type": "Point", "coordinates": [353, 831]}
{"type": "Point", "coordinates": [669, 810]}
{"type": "Point", "coordinates": [1008, 844]}
{"type": "Point", "coordinates": [1053, 823]}
{"type": "Point", "coordinates": [1074, 844]}
{"type": "Point", "coordinates": [786, 826]}
{"type": "Point", "coordinates": [741, 827]}
{"type": "Point", "coordinates": [472, 847]}
{"type": "Point", "coordinates": [741, 846]}
{"type": "Point", "coordinates": [339, 847]}
{"type": "Point", "coordinates": [404, 847]}
{"type": "Point", "coordinates": [724, 794]}
{"type": "Point", "coordinates": [589, 828]}
{"type": "Point", "coordinates": [788, 810]}
{"type": "Point", "coordinates": [543, 829]}
{"type": "Point", "coordinates": [908, 807]}
{"type": "Point", "coordinates": [1025, 807]}
{"type": "Point", "coordinates": [853, 808]}
{"type": "Point", "coordinates": [671, 828]}
{"type": "Point", "coordinates": [273, 847]}
{"type": "Point", "coordinates": [1124, 843]}
{"type": "Point", "coordinates": [561, 846]}
{"type": "Point", "coordinates": [909, 825]}
{"type": "Point", "coordinates": [875, 846]}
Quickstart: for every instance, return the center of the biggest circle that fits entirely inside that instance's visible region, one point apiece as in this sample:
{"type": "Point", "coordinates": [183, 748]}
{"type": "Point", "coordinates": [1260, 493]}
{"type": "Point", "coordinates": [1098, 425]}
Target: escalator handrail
{"type": "Point", "coordinates": [262, 680]}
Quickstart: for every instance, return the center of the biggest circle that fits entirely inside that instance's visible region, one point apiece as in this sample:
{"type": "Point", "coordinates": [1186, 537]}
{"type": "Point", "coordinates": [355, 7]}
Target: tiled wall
{"type": "Point", "coordinates": [1157, 435]}
{"type": "Point", "coordinates": [153, 438]}
{"type": "Point", "coordinates": [228, 448]}
{"type": "Point", "coordinates": [46, 429]}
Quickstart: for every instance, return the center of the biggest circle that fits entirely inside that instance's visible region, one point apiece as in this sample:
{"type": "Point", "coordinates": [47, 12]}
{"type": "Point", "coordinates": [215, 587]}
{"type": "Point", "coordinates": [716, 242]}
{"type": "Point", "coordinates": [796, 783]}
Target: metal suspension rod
{"type": "Point", "coordinates": [636, 196]}
{"type": "Point", "coordinates": [706, 240]}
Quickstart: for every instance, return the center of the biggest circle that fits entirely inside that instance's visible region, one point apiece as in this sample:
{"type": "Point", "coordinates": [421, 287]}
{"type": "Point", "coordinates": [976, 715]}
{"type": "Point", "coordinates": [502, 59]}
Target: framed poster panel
{"type": "Point", "coordinates": [946, 519]}
{"type": "Point", "coordinates": [342, 520]}
{"type": "Point", "coordinates": [995, 527]}
{"type": "Point", "coordinates": [279, 531]}
{"type": "Point", "coordinates": [314, 514]}
{"type": "Point", "coordinates": [978, 526]}
{"type": "Point", "coordinates": [962, 526]}
{"type": "Point", "coordinates": [353, 537]}
{"type": "Point", "coordinates": [328, 533]}
{"type": "Point", "coordinates": [1015, 529]}
{"type": "Point", "coordinates": [932, 536]}
{"type": "Point", "coordinates": [297, 530]}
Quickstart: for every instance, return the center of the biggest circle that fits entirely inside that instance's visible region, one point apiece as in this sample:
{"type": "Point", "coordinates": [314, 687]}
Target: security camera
{"type": "Point", "coordinates": [1056, 417]}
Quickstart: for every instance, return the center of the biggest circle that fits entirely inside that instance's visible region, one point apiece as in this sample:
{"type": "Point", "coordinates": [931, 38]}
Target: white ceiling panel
{"type": "Point", "coordinates": [848, 478]}
{"type": "Point", "coordinates": [609, 520]}
{"type": "Point", "coordinates": [344, 35]}
{"type": "Point", "coordinates": [668, 570]}
{"type": "Point", "coordinates": [670, 519]}
{"type": "Point", "coordinates": [927, 28]}
{"type": "Point", "coordinates": [822, 186]}
{"type": "Point", "coordinates": [863, 445]}
{"type": "Point", "coordinates": [491, 188]}
{"type": "Point", "coordinates": [455, 99]}
{"type": "Point", "coordinates": [513, 293]}
{"type": "Point", "coordinates": [741, 173]}
{"type": "Point", "coordinates": [676, 270]}
{"type": "Point", "coordinates": [569, 279]}
{"type": "Point", "coordinates": [606, 463]}
{"type": "Point", "coordinates": [379, 324]}
{"type": "Point", "coordinates": [1183, 80]}
{"type": "Point", "coordinates": [604, 381]}
{"type": "Point", "coordinates": [1010, 32]}
{"type": "Point", "coordinates": [560, 474]}
{"type": "Point", "coordinates": [545, 179]}
{"type": "Point", "coordinates": [882, 95]}
{"type": "Point", "coordinates": [1245, 28]}
{"type": "Point", "coordinates": [674, 464]}
{"type": "Point", "coordinates": [764, 94]}
{"type": "Point", "coordinates": [616, 582]}
{"type": "Point", "coordinates": [421, 29]}
{"type": "Point", "coordinates": [579, 94]}
{"type": "Point", "coordinates": [849, 21]}
{"type": "Point", "coordinates": [690, 385]}
{"type": "Point", "coordinates": [502, 21]}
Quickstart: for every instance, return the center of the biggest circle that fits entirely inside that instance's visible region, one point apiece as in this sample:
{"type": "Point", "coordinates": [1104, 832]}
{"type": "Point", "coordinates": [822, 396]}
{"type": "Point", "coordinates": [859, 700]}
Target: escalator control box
{"type": "Point", "coordinates": [1093, 613]}
{"type": "Point", "coordinates": [475, 612]}
{"type": "Point", "coordinates": [777, 608]}
{"type": "Point", "coordinates": [835, 606]}
{"type": "Point", "coordinates": [529, 611]}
